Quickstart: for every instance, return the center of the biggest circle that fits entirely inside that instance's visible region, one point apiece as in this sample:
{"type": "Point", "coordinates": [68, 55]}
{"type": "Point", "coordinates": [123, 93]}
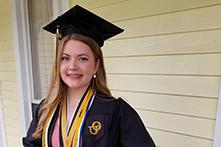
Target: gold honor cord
{"type": "Point", "coordinates": [71, 139]}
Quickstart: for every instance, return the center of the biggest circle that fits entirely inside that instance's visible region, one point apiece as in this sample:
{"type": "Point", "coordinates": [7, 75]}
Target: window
{"type": "Point", "coordinates": [42, 45]}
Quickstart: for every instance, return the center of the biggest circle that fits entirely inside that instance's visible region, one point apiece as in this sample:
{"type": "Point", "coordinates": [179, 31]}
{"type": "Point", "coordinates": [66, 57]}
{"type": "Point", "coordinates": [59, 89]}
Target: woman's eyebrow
{"type": "Point", "coordinates": [83, 54]}
{"type": "Point", "coordinates": [65, 54]}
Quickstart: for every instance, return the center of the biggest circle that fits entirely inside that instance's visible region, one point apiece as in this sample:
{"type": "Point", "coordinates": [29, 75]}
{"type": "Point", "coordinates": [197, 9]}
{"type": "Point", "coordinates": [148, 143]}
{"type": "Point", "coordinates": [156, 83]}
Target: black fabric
{"type": "Point", "coordinates": [121, 126]}
{"type": "Point", "coordinates": [52, 125]}
{"type": "Point", "coordinates": [78, 20]}
{"type": "Point", "coordinates": [29, 140]}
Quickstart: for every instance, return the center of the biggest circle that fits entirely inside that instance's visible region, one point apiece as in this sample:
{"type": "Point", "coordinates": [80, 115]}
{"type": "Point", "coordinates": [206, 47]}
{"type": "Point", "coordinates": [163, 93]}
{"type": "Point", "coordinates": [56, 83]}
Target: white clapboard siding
{"type": "Point", "coordinates": [12, 123]}
{"type": "Point", "coordinates": [10, 95]}
{"type": "Point", "coordinates": [6, 7]}
{"type": "Point", "coordinates": [184, 105]}
{"type": "Point", "coordinates": [168, 139]}
{"type": "Point", "coordinates": [177, 123]}
{"type": "Point", "coordinates": [99, 3]}
{"type": "Point", "coordinates": [184, 43]}
{"type": "Point", "coordinates": [181, 85]}
{"type": "Point", "coordinates": [13, 141]}
{"type": "Point", "coordinates": [7, 66]}
{"type": "Point", "coordinates": [7, 56]}
{"type": "Point", "coordinates": [186, 21]}
{"type": "Point", "coordinates": [9, 86]}
{"type": "Point", "coordinates": [13, 131]}
{"type": "Point", "coordinates": [12, 105]}
{"type": "Point", "coordinates": [4, 25]}
{"type": "Point", "coordinates": [203, 64]}
{"type": "Point", "coordinates": [6, 46]}
{"type": "Point", "coordinates": [8, 76]}
{"type": "Point", "coordinates": [141, 8]}
{"type": "Point", "coordinates": [7, 34]}
{"type": "Point", "coordinates": [12, 114]}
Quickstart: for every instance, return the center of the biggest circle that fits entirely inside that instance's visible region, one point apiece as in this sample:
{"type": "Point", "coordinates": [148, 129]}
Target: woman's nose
{"type": "Point", "coordinates": [73, 65]}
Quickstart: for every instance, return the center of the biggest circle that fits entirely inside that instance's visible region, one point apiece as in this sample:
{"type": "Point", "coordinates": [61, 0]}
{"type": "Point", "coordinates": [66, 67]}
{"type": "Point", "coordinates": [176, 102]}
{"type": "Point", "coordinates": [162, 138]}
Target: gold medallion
{"type": "Point", "coordinates": [95, 127]}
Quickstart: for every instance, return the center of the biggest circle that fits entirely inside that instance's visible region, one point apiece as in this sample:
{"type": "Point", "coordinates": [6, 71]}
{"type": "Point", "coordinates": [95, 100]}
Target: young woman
{"type": "Point", "coordinates": [79, 110]}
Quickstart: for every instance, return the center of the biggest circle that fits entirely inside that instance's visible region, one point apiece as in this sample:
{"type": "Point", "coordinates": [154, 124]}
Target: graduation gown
{"type": "Point", "coordinates": [120, 126]}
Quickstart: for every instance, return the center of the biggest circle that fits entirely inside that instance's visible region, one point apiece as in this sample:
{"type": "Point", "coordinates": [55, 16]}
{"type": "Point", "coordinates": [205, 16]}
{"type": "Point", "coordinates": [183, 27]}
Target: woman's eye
{"type": "Point", "coordinates": [64, 58]}
{"type": "Point", "coordinates": [83, 59]}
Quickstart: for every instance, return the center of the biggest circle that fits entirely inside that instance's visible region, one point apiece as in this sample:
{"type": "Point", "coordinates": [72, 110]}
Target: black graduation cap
{"type": "Point", "coordinates": [78, 20]}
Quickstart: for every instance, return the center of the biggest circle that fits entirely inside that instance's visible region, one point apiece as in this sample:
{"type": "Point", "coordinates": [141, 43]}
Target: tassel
{"type": "Point", "coordinates": [58, 37]}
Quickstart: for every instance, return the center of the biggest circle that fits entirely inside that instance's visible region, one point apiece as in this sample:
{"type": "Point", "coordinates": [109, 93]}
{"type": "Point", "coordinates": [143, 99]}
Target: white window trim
{"type": "Point", "coordinates": [2, 129]}
{"type": "Point", "coordinates": [22, 47]}
{"type": "Point", "coordinates": [23, 60]}
{"type": "Point", "coordinates": [217, 135]}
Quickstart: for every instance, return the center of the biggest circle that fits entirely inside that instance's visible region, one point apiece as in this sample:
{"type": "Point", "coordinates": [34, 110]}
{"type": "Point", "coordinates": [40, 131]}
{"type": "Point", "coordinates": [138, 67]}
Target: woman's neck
{"type": "Point", "coordinates": [75, 95]}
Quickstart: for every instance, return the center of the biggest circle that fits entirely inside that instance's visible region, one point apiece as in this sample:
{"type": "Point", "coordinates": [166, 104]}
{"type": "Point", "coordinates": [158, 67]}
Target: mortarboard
{"type": "Point", "coordinates": [78, 20]}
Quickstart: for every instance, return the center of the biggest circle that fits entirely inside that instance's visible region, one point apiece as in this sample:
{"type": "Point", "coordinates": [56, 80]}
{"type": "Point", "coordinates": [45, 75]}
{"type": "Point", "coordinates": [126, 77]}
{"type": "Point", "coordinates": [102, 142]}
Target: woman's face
{"type": "Point", "coordinates": [77, 64]}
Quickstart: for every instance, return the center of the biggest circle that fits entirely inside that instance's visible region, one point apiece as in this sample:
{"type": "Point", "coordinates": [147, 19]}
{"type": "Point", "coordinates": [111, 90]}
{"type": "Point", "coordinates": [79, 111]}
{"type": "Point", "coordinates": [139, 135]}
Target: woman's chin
{"type": "Point", "coordinates": [77, 86]}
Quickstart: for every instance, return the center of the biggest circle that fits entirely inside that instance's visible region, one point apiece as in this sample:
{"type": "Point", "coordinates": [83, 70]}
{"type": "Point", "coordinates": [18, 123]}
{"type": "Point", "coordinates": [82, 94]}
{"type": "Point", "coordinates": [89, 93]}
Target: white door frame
{"type": "Point", "coordinates": [2, 129]}
{"type": "Point", "coordinates": [21, 41]}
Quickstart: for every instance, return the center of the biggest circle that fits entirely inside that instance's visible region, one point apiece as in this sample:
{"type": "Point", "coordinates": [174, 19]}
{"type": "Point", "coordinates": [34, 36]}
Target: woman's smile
{"type": "Point", "coordinates": [75, 76]}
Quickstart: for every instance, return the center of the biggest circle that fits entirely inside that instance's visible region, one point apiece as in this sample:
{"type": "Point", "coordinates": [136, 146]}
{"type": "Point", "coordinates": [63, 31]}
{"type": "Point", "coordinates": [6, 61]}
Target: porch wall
{"type": "Point", "coordinates": [8, 83]}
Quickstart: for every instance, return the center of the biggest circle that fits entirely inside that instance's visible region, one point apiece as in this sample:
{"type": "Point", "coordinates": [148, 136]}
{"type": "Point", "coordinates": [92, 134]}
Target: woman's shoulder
{"type": "Point", "coordinates": [37, 109]}
{"type": "Point", "coordinates": [119, 101]}
{"type": "Point", "coordinates": [108, 100]}
{"type": "Point", "coordinates": [109, 104]}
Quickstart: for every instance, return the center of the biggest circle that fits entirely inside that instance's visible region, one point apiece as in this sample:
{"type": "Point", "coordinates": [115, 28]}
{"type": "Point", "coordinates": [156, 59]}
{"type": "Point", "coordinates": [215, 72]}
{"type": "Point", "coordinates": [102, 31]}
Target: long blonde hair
{"type": "Point", "coordinates": [58, 88]}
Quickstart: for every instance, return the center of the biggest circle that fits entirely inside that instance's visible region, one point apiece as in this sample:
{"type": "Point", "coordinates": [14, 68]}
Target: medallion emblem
{"type": "Point", "coordinates": [95, 127]}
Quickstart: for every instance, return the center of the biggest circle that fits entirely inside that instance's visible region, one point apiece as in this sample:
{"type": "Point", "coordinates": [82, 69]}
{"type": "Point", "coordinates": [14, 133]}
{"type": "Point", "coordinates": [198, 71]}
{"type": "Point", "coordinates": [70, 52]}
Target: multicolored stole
{"type": "Point", "coordinates": [70, 137]}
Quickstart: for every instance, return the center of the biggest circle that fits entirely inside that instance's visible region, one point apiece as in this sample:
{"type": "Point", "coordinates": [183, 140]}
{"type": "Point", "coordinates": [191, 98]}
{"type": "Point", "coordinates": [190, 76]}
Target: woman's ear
{"type": "Point", "coordinates": [97, 65]}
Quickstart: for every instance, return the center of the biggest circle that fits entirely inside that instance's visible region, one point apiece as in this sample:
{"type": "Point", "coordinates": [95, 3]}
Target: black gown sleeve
{"type": "Point", "coordinates": [29, 140]}
{"type": "Point", "coordinates": [132, 131]}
